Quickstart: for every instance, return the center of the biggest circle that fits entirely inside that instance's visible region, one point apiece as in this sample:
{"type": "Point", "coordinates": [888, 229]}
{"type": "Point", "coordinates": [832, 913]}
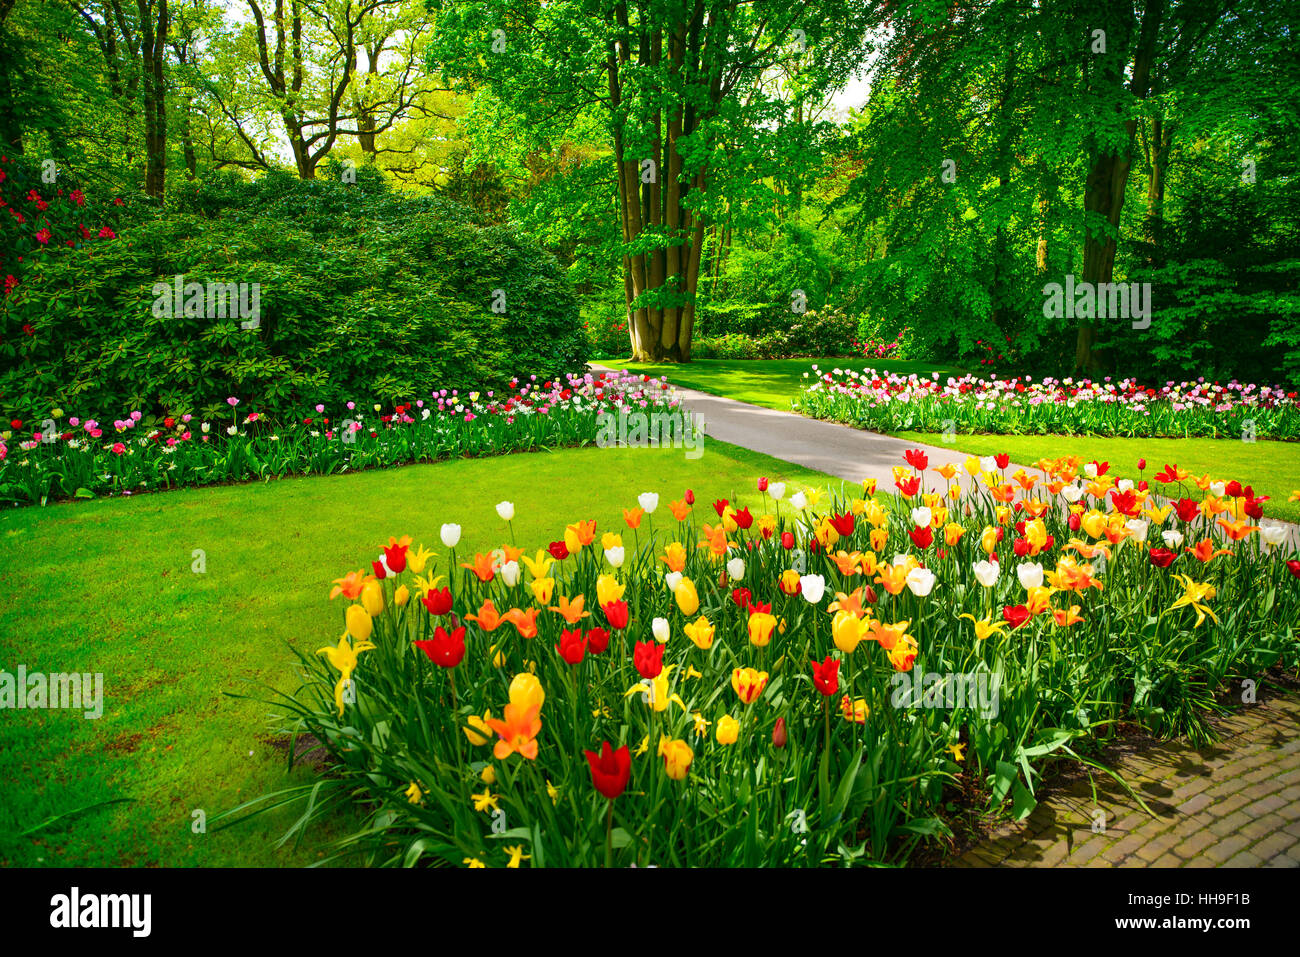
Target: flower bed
{"type": "Point", "coordinates": [801, 681]}
{"type": "Point", "coordinates": [68, 456]}
{"type": "Point", "coordinates": [887, 402]}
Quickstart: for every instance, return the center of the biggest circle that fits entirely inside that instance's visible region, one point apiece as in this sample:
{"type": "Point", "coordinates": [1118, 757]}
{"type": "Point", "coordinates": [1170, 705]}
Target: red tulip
{"type": "Point", "coordinates": [648, 658]}
{"type": "Point", "coordinates": [843, 523]}
{"type": "Point", "coordinates": [1017, 615]}
{"type": "Point", "coordinates": [762, 484]}
{"type": "Point", "coordinates": [572, 645]}
{"type": "Point", "coordinates": [1233, 488]}
{"type": "Point", "coordinates": [720, 506]}
{"type": "Point", "coordinates": [909, 486]}
{"type": "Point", "coordinates": [1002, 460]}
{"type": "Point", "coordinates": [826, 676]}
{"type": "Point", "coordinates": [1162, 557]}
{"type": "Point", "coordinates": [917, 459]}
{"type": "Point", "coordinates": [1021, 547]}
{"type": "Point", "coordinates": [616, 614]}
{"type": "Point", "coordinates": [395, 556]}
{"type": "Point", "coordinates": [922, 537]}
{"type": "Point", "coordinates": [1187, 509]}
{"type": "Point", "coordinates": [438, 601]}
{"type": "Point", "coordinates": [787, 540]}
{"type": "Point", "coordinates": [742, 597]}
{"type": "Point", "coordinates": [1293, 566]}
{"type": "Point", "coordinates": [1142, 465]}
{"type": "Point", "coordinates": [779, 735]}
{"type": "Point", "coordinates": [610, 769]}
{"type": "Point", "coordinates": [1075, 521]}
{"type": "Point", "coordinates": [743, 518]}
{"type": "Point", "coordinates": [379, 569]}
{"type": "Point", "coordinates": [444, 650]}
{"type": "Point", "coordinates": [597, 640]}
{"type": "Point", "coordinates": [689, 497]}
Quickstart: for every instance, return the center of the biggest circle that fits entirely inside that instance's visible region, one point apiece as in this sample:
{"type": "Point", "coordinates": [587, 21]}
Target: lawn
{"type": "Point", "coordinates": [1272, 468]}
{"type": "Point", "coordinates": [107, 586]}
{"type": "Point", "coordinates": [766, 382]}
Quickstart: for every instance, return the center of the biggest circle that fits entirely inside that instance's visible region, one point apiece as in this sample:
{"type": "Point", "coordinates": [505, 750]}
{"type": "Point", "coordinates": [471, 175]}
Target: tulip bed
{"type": "Point", "coordinates": [71, 456]}
{"type": "Point", "coordinates": [713, 686]}
{"type": "Point", "coordinates": [887, 402]}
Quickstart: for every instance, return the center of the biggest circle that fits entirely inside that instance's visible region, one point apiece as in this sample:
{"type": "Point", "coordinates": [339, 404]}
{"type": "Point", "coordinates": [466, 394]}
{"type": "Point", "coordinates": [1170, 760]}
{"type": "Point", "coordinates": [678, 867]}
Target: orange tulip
{"type": "Point", "coordinates": [482, 567]}
{"type": "Point", "coordinates": [679, 509]}
{"type": "Point", "coordinates": [1066, 618]}
{"type": "Point", "coordinates": [1237, 530]}
{"type": "Point", "coordinates": [349, 586]}
{"type": "Point", "coordinates": [524, 621]}
{"type": "Point", "coordinates": [1204, 550]}
{"type": "Point", "coordinates": [633, 517]}
{"type": "Point", "coordinates": [518, 732]}
{"type": "Point", "coordinates": [893, 577]}
{"type": "Point", "coordinates": [674, 556]}
{"type": "Point", "coordinates": [488, 618]}
{"type": "Point", "coordinates": [571, 611]}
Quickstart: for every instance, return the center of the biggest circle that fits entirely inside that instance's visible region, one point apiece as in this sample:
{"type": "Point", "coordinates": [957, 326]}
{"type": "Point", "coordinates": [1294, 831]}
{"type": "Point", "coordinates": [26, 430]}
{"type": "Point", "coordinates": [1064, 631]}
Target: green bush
{"type": "Point", "coordinates": [364, 295]}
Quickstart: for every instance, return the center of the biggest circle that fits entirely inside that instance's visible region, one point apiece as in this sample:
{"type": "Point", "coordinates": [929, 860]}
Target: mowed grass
{"type": "Point", "coordinates": [1271, 468]}
{"type": "Point", "coordinates": [767, 382]}
{"type": "Point", "coordinates": [107, 586]}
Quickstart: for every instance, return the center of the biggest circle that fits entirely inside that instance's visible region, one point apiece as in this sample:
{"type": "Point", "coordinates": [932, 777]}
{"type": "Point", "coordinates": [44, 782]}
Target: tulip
{"type": "Point", "coordinates": [920, 581]}
{"type": "Point", "coordinates": [610, 769]}
{"type": "Point", "coordinates": [401, 596]}
{"type": "Point", "coordinates": [986, 573]}
{"type": "Point", "coordinates": [359, 623]}
{"type": "Point", "coordinates": [608, 589]}
{"type": "Point", "coordinates": [847, 631]}
{"type": "Point", "coordinates": [1162, 557]}
{"type": "Point", "coordinates": [728, 730]}
{"type": "Point", "coordinates": [760, 626]}
{"type": "Point", "coordinates": [542, 589]}
{"type": "Point", "coordinates": [776, 490]}
{"type": "Point", "coordinates": [510, 574]}
{"type": "Point", "coordinates": [677, 755]}
{"type": "Point", "coordinates": [1016, 615]}
{"type": "Point", "coordinates": [445, 649]}
{"type": "Point", "coordinates": [450, 535]}
{"type": "Point", "coordinates": [615, 556]}
{"type": "Point", "coordinates": [826, 676]}
{"type": "Point", "coordinates": [922, 517]}
{"type": "Point", "coordinates": [748, 684]}
{"type": "Point", "coordinates": [438, 601]}
{"type": "Point", "coordinates": [779, 735]}
{"type": "Point", "coordinates": [506, 510]}
{"type": "Point", "coordinates": [649, 501]}
{"type": "Point", "coordinates": [597, 640]}
{"type": "Point", "coordinates": [701, 633]}
{"type": "Point", "coordinates": [572, 646]}
{"type": "Point", "coordinates": [799, 500]}
{"type": "Point", "coordinates": [813, 588]}
{"type": "Point", "coordinates": [736, 569]}
{"type": "Point", "coordinates": [1030, 574]}
{"type": "Point", "coordinates": [616, 613]}
{"type": "Point", "coordinates": [688, 600]}
{"type": "Point", "coordinates": [526, 691]}
{"type": "Point", "coordinates": [659, 628]}
{"type": "Point", "coordinates": [648, 659]}
{"type": "Point", "coordinates": [372, 596]}
{"type": "Point", "coordinates": [478, 731]}
{"type": "Point", "coordinates": [518, 733]}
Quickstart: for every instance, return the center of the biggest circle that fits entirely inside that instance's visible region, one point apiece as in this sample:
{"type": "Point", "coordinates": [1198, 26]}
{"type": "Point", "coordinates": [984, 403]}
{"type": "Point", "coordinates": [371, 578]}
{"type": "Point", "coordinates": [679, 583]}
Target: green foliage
{"type": "Point", "coordinates": [363, 295]}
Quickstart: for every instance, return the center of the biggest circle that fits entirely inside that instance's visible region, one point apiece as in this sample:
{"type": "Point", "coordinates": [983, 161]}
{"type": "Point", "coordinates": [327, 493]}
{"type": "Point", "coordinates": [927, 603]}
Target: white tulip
{"type": "Point", "coordinates": [649, 501]}
{"type": "Point", "coordinates": [510, 574]}
{"type": "Point", "coordinates": [922, 517]}
{"type": "Point", "coordinates": [986, 573]}
{"type": "Point", "coordinates": [672, 580]}
{"type": "Point", "coordinates": [798, 499]}
{"type": "Point", "coordinates": [812, 587]}
{"type": "Point", "coordinates": [450, 535]}
{"type": "Point", "coordinates": [506, 510]}
{"type": "Point", "coordinates": [1030, 574]}
{"type": "Point", "coordinates": [231, 430]}
{"type": "Point", "coordinates": [659, 627]}
{"type": "Point", "coordinates": [736, 569]}
{"type": "Point", "coordinates": [1125, 485]}
{"type": "Point", "coordinates": [988, 463]}
{"type": "Point", "coordinates": [1217, 489]}
{"type": "Point", "coordinates": [920, 581]}
{"type": "Point", "coordinates": [1090, 470]}
{"type": "Point", "coordinates": [776, 489]}
{"type": "Point", "coordinates": [1172, 538]}
{"type": "Point", "coordinates": [1272, 535]}
{"type": "Point", "coordinates": [1072, 493]}
{"type": "Point", "coordinates": [1137, 528]}
{"type": "Point", "coordinates": [614, 556]}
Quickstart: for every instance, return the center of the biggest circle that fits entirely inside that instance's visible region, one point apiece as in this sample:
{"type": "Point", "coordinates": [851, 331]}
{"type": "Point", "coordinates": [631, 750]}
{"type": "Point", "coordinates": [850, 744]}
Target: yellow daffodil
{"type": "Point", "coordinates": [516, 855]}
{"type": "Point", "coordinates": [473, 862]}
{"type": "Point", "coordinates": [414, 794]}
{"type": "Point", "coordinates": [701, 723]}
{"type": "Point", "coordinates": [485, 800]}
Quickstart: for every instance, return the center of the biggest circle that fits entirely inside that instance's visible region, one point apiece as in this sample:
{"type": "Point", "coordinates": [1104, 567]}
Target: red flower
{"type": "Point", "coordinates": [826, 676]}
{"type": "Point", "coordinates": [1142, 465]}
{"type": "Point", "coordinates": [922, 537]}
{"type": "Point", "coordinates": [395, 556]}
{"type": "Point", "coordinates": [762, 484]}
{"type": "Point", "coordinates": [438, 601]}
{"type": "Point", "coordinates": [917, 459]}
{"type": "Point", "coordinates": [689, 497]}
{"type": "Point", "coordinates": [1017, 615]}
{"type": "Point", "coordinates": [559, 550]}
{"type": "Point", "coordinates": [742, 596]}
{"type": "Point", "coordinates": [379, 569]}
{"type": "Point", "coordinates": [648, 658]}
{"type": "Point", "coordinates": [779, 735]}
{"type": "Point", "coordinates": [1003, 459]}
{"type": "Point", "coordinates": [1021, 547]}
{"type": "Point", "coordinates": [572, 645]}
{"type": "Point", "coordinates": [1162, 557]}
{"type": "Point", "coordinates": [610, 769]}
{"type": "Point", "coordinates": [787, 540]}
{"type": "Point", "coordinates": [1254, 507]}
{"type": "Point", "coordinates": [1233, 488]}
{"type": "Point", "coordinates": [444, 650]}
{"type": "Point", "coordinates": [16, 423]}
{"type": "Point", "coordinates": [720, 506]}
{"type": "Point", "coordinates": [909, 486]}
{"type": "Point", "coordinates": [616, 614]}
{"type": "Point", "coordinates": [743, 518]}
{"type": "Point", "coordinates": [1074, 521]}
{"type": "Point", "coordinates": [169, 422]}
{"type": "Point", "coordinates": [1293, 566]}
{"type": "Point", "coordinates": [597, 640]}
{"type": "Point", "coordinates": [1125, 502]}
{"type": "Point", "coordinates": [1102, 468]}
{"type": "Point", "coordinates": [1187, 509]}
{"type": "Point", "coordinates": [1169, 475]}
{"type": "Point", "coordinates": [843, 523]}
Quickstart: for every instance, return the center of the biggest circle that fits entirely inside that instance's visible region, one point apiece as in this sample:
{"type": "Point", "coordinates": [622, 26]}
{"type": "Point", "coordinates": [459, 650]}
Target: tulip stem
{"type": "Point", "coordinates": [609, 836]}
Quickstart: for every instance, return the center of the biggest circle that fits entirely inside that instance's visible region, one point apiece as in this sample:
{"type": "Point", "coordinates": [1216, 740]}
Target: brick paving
{"type": "Point", "coordinates": [1233, 803]}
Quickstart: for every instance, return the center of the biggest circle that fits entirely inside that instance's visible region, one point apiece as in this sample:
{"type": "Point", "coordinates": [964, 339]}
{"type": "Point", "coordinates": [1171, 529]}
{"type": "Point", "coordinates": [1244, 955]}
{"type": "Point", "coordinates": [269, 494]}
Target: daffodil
{"type": "Point", "coordinates": [414, 794]}
{"type": "Point", "coordinates": [516, 855]}
{"type": "Point", "coordinates": [485, 800]}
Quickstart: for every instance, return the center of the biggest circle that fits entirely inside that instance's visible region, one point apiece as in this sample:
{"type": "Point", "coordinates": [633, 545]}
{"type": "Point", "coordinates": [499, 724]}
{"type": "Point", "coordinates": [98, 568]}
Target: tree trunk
{"type": "Point", "coordinates": [1162, 137]}
{"type": "Point", "coordinates": [153, 37]}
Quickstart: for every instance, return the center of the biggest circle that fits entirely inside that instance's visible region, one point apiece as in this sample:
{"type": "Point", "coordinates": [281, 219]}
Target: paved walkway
{"type": "Point", "coordinates": [1235, 803]}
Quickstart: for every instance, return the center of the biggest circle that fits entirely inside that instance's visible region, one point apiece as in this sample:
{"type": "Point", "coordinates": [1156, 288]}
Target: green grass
{"type": "Point", "coordinates": [1272, 468]}
{"type": "Point", "coordinates": [106, 586]}
{"type": "Point", "coordinates": [767, 382]}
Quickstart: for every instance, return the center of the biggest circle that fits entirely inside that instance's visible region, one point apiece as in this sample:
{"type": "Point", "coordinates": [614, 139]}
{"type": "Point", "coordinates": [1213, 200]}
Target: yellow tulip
{"type": "Point", "coordinates": [952, 533]}
{"type": "Point", "coordinates": [526, 692]}
{"type": "Point", "coordinates": [608, 589]}
{"type": "Point", "coordinates": [989, 540]}
{"type": "Point", "coordinates": [846, 631]}
{"type": "Point", "coordinates": [611, 540]}
{"type": "Point", "coordinates": [688, 600]}
{"type": "Point", "coordinates": [542, 589]}
{"type": "Point", "coordinates": [748, 683]}
{"type": "Point", "coordinates": [728, 730]}
{"type": "Point", "coordinates": [677, 755]}
{"type": "Point", "coordinates": [761, 625]}
{"type": "Point", "coordinates": [372, 596]}
{"type": "Point", "coordinates": [401, 596]}
{"type": "Point", "coordinates": [701, 632]}
{"type": "Point", "coordinates": [478, 731]}
{"type": "Point", "coordinates": [359, 623]}
{"type": "Point", "coordinates": [879, 538]}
